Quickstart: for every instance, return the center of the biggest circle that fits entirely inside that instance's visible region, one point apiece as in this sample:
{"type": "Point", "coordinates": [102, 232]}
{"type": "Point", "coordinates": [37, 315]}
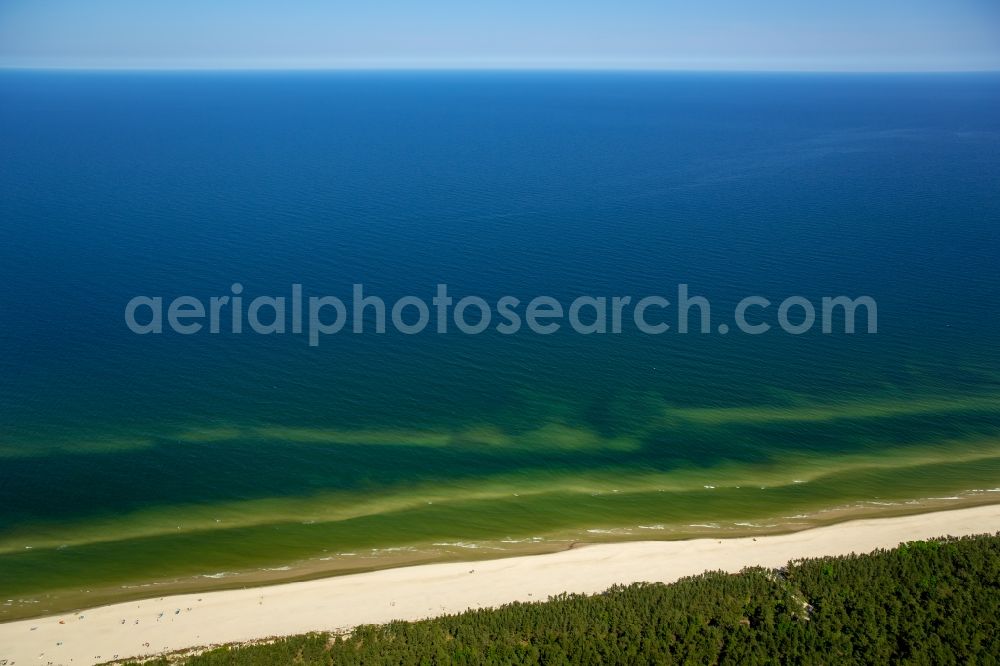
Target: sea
{"type": "Point", "coordinates": [134, 465]}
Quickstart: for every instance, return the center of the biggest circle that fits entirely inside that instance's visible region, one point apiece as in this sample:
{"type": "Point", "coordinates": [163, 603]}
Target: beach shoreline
{"type": "Point", "coordinates": [171, 623]}
{"type": "Point", "coordinates": [47, 602]}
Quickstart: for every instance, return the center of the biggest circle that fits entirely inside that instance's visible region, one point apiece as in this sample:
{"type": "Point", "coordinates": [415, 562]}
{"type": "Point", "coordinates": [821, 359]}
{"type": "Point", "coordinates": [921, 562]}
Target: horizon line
{"type": "Point", "coordinates": [481, 68]}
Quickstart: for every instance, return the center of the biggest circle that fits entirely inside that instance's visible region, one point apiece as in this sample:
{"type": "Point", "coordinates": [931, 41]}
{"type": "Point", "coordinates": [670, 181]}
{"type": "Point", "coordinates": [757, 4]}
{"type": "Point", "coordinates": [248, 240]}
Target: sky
{"type": "Point", "coordinates": [825, 35]}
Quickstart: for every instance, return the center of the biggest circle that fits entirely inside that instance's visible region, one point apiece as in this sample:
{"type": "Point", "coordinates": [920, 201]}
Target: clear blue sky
{"type": "Point", "coordinates": [696, 34]}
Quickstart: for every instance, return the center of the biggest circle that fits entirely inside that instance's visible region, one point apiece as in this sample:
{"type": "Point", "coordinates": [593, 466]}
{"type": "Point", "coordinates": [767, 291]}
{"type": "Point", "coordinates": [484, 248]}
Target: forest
{"type": "Point", "coordinates": [928, 602]}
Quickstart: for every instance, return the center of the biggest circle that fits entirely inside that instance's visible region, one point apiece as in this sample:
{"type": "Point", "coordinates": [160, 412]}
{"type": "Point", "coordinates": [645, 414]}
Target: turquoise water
{"type": "Point", "coordinates": [127, 460]}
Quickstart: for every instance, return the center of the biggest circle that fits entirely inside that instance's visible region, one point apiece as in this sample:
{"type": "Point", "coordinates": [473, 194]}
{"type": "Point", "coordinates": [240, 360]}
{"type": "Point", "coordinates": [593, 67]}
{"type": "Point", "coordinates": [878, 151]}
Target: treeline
{"type": "Point", "coordinates": [933, 602]}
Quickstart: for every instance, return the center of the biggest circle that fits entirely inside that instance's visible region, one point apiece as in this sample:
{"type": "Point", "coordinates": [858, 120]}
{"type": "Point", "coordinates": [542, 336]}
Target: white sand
{"type": "Point", "coordinates": [408, 593]}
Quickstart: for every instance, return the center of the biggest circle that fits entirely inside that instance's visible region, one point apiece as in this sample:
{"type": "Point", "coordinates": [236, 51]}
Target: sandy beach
{"type": "Point", "coordinates": [172, 623]}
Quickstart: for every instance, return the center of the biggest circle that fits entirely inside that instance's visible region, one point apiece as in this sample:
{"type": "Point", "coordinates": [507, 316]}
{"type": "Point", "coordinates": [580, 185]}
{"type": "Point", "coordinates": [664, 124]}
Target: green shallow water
{"type": "Point", "coordinates": [641, 490]}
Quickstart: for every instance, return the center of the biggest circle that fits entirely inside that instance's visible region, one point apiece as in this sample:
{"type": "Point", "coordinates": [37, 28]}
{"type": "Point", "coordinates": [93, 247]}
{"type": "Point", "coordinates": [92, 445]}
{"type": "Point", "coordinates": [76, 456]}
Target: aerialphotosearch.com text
{"type": "Point", "coordinates": [361, 312]}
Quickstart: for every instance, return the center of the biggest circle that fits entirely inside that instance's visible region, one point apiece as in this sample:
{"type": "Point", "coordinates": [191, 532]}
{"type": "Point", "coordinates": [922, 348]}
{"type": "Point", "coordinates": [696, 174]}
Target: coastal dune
{"type": "Point", "coordinates": [166, 624]}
